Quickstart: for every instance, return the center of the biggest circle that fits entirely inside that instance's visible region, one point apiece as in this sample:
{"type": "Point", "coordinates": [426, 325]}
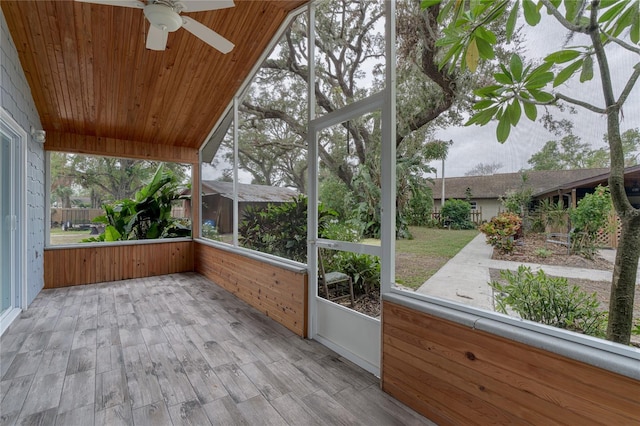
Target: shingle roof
{"type": "Point", "coordinates": [249, 193]}
{"type": "Point", "coordinates": [497, 185]}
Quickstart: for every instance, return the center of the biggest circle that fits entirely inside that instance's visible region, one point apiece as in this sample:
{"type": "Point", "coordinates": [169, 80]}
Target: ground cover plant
{"type": "Point", "coordinates": [549, 300]}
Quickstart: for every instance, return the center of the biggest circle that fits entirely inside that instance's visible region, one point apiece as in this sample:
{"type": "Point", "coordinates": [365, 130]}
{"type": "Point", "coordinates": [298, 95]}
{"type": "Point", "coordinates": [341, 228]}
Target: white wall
{"type": "Point", "coordinates": [16, 99]}
{"type": "Point", "coordinates": [490, 208]}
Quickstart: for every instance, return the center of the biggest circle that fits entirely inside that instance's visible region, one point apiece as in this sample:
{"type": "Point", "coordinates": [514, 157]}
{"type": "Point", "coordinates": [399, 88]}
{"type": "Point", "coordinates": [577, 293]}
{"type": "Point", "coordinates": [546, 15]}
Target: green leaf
{"type": "Point", "coordinates": [555, 3]}
{"type": "Point", "coordinates": [531, 12]}
{"type": "Point", "coordinates": [541, 96]}
{"type": "Point", "coordinates": [486, 35]}
{"type": "Point", "coordinates": [539, 81]}
{"type": "Point", "coordinates": [502, 78]}
{"type": "Point", "coordinates": [454, 52]}
{"type": "Point", "coordinates": [562, 56]}
{"type": "Point", "coordinates": [111, 234]}
{"type": "Point", "coordinates": [504, 128]}
{"type": "Point", "coordinates": [566, 73]}
{"type": "Point", "coordinates": [511, 21]}
{"type": "Point", "coordinates": [485, 49]}
{"type": "Point", "coordinates": [587, 69]}
{"type": "Point", "coordinates": [487, 91]}
{"type": "Point", "coordinates": [634, 32]}
{"type": "Point", "coordinates": [483, 104]}
{"type": "Point", "coordinates": [444, 12]}
{"type": "Point", "coordinates": [483, 117]}
{"type": "Point", "coordinates": [428, 3]}
{"type": "Point", "coordinates": [515, 65]}
{"type": "Point", "coordinates": [572, 7]}
{"type": "Point", "coordinates": [530, 110]}
{"type": "Point", "coordinates": [626, 19]}
{"type": "Point", "coordinates": [514, 112]}
{"type": "Point", "coordinates": [611, 13]}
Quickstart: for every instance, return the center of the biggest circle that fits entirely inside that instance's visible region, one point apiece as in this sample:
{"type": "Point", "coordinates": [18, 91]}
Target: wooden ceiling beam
{"type": "Point", "coordinates": [111, 147]}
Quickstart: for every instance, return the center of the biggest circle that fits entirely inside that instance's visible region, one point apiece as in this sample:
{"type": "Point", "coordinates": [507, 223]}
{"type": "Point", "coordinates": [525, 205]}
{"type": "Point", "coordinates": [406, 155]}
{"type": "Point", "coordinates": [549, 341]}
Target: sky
{"type": "Point", "coordinates": [475, 144]}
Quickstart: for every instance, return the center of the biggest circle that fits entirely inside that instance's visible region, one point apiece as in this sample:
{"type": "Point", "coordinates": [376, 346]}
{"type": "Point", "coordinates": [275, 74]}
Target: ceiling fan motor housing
{"type": "Point", "coordinates": [162, 17]}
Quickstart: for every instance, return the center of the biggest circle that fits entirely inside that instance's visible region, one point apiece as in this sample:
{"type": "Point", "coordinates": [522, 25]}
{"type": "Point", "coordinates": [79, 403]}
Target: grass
{"type": "Point", "coordinates": [58, 236]}
{"type": "Point", "coordinates": [418, 259]}
{"type": "Point", "coordinates": [439, 242]}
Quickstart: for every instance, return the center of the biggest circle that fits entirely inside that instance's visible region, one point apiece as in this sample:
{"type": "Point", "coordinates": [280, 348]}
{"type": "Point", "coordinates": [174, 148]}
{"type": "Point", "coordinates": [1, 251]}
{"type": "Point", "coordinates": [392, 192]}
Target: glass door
{"type": "Point", "coordinates": [344, 193]}
{"type": "Point", "coordinates": [6, 225]}
{"type": "Point", "coordinates": [12, 138]}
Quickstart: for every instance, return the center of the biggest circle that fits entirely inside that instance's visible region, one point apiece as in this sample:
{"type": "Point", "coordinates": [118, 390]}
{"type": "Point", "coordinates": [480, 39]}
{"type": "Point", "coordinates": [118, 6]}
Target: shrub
{"type": "Point", "coordinates": [589, 216]}
{"type": "Point", "coordinates": [210, 231]}
{"type": "Point", "coordinates": [336, 196]}
{"type": "Point", "coordinates": [517, 202]}
{"type": "Point", "coordinates": [349, 231]}
{"type": "Point", "coordinates": [457, 213]}
{"type": "Point", "coordinates": [280, 229]}
{"type": "Point", "coordinates": [363, 268]}
{"type": "Point", "coordinates": [549, 300]}
{"type": "Point", "coordinates": [418, 212]}
{"type": "Point", "coordinates": [147, 215]}
{"type": "Point", "coordinates": [502, 230]}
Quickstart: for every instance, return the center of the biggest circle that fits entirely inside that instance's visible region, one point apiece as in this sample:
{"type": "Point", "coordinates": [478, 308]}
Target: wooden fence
{"type": "Point", "coordinates": [74, 216]}
{"type": "Point", "coordinates": [475, 216]}
{"type": "Point", "coordinates": [77, 216]}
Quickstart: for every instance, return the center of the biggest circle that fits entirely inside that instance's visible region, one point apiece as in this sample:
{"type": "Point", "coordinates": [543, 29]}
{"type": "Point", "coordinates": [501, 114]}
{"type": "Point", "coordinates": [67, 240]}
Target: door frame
{"type": "Point", "coordinates": [19, 290]}
{"type": "Point", "coordinates": [349, 333]}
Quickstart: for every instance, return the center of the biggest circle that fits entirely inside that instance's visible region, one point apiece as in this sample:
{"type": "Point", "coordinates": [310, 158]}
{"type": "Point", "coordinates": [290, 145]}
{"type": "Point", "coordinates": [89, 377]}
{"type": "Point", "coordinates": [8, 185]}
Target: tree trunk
{"type": "Point", "coordinates": [623, 285]}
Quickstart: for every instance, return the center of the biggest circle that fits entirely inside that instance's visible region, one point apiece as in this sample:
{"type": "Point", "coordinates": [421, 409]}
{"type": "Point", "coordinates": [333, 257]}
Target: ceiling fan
{"type": "Point", "coordinates": [165, 18]}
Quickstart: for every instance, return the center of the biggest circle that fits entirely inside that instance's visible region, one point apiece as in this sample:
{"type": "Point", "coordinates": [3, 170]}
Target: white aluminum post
{"type": "Point", "coordinates": [312, 162]}
{"type": "Point", "coordinates": [388, 163]}
{"type": "Point", "coordinates": [235, 172]}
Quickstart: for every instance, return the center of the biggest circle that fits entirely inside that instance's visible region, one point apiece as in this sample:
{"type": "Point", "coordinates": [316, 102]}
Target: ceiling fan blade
{"type": "Point", "coordinates": [124, 3]}
{"type": "Point", "coordinates": [207, 35]}
{"type": "Point", "coordinates": [157, 38]}
{"type": "Point", "coordinates": [202, 5]}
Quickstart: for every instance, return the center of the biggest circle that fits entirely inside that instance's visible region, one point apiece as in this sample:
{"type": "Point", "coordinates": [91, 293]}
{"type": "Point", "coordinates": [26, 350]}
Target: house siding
{"type": "Point", "coordinates": [16, 99]}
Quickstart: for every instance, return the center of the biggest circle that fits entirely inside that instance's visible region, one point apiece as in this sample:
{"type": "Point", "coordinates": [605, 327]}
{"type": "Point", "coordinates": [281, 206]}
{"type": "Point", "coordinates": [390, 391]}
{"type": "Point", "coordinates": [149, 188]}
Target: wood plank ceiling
{"type": "Point", "coordinates": [91, 75]}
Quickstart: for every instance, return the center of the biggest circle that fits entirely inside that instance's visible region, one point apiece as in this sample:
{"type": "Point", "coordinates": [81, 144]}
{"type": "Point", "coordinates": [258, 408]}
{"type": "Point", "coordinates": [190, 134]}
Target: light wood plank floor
{"type": "Point", "coordinates": [175, 350]}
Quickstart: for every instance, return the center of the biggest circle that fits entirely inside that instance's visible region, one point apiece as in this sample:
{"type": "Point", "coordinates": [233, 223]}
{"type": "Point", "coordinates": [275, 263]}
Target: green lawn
{"type": "Point", "coordinates": [418, 259]}
{"type": "Point", "coordinates": [58, 236]}
{"type": "Point", "coordinates": [439, 242]}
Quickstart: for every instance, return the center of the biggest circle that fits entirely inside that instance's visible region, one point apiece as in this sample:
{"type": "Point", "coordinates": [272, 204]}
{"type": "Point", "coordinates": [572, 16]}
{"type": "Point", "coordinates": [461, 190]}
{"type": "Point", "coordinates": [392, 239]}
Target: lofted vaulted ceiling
{"type": "Point", "coordinates": [91, 75]}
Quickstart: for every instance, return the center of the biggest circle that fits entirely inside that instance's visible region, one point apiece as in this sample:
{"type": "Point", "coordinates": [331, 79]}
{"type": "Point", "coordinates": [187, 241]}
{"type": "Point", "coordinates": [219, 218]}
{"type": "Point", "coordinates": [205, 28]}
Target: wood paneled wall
{"type": "Point", "coordinates": [65, 267]}
{"type": "Point", "coordinates": [92, 145]}
{"type": "Point", "coordinates": [278, 293]}
{"type": "Point", "coordinates": [456, 375]}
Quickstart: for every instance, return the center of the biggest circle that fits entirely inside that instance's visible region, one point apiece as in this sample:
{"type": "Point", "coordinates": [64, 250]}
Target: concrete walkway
{"type": "Point", "coordinates": [464, 277]}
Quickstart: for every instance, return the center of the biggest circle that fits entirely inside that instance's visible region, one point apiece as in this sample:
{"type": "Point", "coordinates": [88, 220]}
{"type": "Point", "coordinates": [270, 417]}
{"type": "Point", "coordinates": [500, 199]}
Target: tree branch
{"type": "Point", "coordinates": [629, 86]}
{"type": "Point", "coordinates": [429, 67]}
{"type": "Point", "coordinates": [622, 43]}
{"type": "Point", "coordinates": [272, 113]}
{"type": "Point", "coordinates": [583, 104]}
{"type": "Point", "coordinates": [584, 29]}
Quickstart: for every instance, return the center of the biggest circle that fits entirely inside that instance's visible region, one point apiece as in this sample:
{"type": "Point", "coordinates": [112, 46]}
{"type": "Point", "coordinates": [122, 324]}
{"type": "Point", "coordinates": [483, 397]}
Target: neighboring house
{"type": "Point", "coordinates": [484, 192]}
{"type": "Point", "coordinates": [217, 201]}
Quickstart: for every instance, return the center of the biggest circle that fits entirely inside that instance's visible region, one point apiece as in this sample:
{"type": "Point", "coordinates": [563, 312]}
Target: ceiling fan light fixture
{"type": "Point", "coordinates": [162, 17]}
